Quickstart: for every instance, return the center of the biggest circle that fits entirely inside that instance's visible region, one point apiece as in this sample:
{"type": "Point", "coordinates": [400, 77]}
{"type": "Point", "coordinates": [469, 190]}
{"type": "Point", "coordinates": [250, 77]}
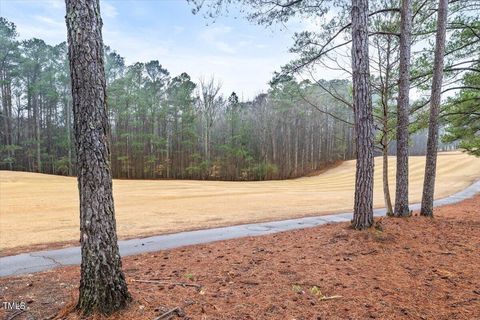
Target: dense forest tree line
{"type": "Point", "coordinates": [175, 127]}
{"type": "Point", "coordinates": [165, 126]}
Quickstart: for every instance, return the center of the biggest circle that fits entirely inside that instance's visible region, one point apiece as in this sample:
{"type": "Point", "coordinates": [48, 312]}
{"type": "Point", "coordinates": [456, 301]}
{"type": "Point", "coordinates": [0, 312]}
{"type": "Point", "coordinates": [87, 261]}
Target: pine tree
{"type": "Point", "coordinates": [435, 101]}
{"type": "Point", "coordinates": [362, 102]}
{"type": "Point", "coordinates": [102, 284]}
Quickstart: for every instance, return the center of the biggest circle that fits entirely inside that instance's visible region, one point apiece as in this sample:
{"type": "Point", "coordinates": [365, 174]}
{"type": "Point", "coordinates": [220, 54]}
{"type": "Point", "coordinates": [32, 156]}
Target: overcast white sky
{"type": "Point", "coordinates": [240, 54]}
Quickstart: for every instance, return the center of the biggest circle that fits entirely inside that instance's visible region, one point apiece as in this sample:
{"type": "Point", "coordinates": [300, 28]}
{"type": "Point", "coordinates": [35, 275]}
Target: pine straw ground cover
{"type": "Point", "coordinates": [415, 268]}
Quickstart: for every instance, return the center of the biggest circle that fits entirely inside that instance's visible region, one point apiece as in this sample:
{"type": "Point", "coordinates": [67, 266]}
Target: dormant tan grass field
{"type": "Point", "coordinates": [39, 208]}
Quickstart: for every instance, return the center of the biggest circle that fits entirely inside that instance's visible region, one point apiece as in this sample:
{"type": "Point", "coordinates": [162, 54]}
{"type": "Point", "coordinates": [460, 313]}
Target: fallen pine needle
{"type": "Point", "coordinates": [169, 313]}
{"type": "Point", "coordinates": [330, 298]}
{"type": "Point", "coordinates": [15, 314]}
{"type": "Point", "coordinates": [181, 284]}
{"type": "Point", "coordinates": [177, 310]}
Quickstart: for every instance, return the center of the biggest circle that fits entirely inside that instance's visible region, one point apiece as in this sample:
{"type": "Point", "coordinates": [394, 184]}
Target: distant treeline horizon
{"type": "Point", "coordinates": [171, 127]}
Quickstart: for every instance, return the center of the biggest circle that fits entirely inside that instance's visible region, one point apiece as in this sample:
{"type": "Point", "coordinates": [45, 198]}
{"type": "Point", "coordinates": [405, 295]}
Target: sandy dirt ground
{"type": "Point", "coordinates": [413, 268]}
{"type": "Point", "coordinates": [43, 209]}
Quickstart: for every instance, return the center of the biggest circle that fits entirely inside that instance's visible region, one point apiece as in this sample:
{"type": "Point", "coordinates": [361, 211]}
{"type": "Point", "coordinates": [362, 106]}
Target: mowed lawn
{"type": "Point", "coordinates": [39, 208]}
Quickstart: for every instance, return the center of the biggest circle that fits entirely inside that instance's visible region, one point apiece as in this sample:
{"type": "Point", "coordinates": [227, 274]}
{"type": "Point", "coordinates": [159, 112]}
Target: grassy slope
{"type": "Point", "coordinates": [37, 208]}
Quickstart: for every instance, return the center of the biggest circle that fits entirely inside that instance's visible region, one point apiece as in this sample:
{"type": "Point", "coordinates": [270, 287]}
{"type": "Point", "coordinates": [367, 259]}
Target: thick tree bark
{"type": "Point", "coordinates": [401, 191]}
{"type": "Point", "coordinates": [102, 285]}
{"type": "Point", "coordinates": [435, 100]}
{"type": "Point", "coordinates": [362, 102]}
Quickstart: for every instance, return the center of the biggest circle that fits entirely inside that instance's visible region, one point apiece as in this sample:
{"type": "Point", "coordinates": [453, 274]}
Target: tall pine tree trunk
{"type": "Point", "coordinates": [401, 191]}
{"type": "Point", "coordinates": [36, 133]}
{"type": "Point", "coordinates": [7, 116]}
{"type": "Point", "coordinates": [386, 187]}
{"type": "Point", "coordinates": [69, 135]}
{"type": "Point", "coordinates": [102, 285]}
{"type": "Point", "coordinates": [385, 130]}
{"type": "Point", "coordinates": [435, 100]}
{"type": "Point", "coordinates": [362, 102]}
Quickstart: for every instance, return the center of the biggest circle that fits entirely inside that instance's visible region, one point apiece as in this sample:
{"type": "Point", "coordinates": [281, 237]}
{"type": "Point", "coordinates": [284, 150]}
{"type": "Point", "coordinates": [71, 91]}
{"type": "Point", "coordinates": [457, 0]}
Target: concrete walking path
{"type": "Point", "coordinates": [49, 259]}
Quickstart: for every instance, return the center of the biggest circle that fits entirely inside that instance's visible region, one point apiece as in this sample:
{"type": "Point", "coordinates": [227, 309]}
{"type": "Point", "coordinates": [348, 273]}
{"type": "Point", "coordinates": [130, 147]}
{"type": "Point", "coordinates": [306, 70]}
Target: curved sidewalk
{"type": "Point", "coordinates": [45, 260]}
